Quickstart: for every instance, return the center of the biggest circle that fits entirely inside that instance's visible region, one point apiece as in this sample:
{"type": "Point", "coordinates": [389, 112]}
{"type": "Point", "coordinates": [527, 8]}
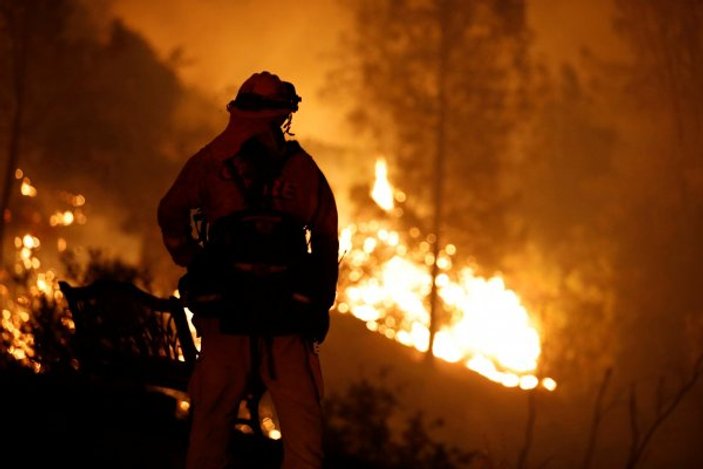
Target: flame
{"type": "Point", "coordinates": [16, 314]}
{"type": "Point", "coordinates": [193, 330]}
{"type": "Point", "coordinates": [19, 299]}
{"type": "Point", "coordinates": [488, 329]}
{"type": "Point", "coordinates": [382, 191]}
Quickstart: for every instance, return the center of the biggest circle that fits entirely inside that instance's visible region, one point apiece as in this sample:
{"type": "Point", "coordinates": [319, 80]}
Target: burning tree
{"type": "Point", "coordinates": [439, 85]}
{"type": "Point", "coordinates": [386, 283]}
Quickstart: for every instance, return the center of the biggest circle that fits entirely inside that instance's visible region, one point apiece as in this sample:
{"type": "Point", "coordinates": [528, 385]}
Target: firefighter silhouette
{"type": "Point", "coordinates": [261, 276]}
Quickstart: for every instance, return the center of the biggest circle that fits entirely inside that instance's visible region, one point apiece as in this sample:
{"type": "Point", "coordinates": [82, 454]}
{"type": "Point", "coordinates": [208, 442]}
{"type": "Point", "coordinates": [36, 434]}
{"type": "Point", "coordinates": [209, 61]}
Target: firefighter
{"type": "Point", "coordinates": [220, 181]}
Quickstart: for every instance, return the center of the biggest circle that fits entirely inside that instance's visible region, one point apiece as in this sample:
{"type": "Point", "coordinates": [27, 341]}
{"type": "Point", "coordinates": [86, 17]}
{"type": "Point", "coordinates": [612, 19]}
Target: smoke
{"type": "Point", "coordinates": [220, 43]}
{"type": "Point", "coordinates": [562, 30]}
{"type": "Point", "coordinates": [610, 251]}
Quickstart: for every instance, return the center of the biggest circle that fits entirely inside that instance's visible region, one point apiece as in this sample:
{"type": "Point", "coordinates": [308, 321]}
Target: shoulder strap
{"type": "Point", "coordinates": [293, 147]}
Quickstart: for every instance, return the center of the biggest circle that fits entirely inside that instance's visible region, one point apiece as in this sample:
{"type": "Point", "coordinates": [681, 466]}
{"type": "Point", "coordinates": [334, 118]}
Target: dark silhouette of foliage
{"type": "Point", "coordinates": [50, 321]}
{"type": "Point", "coordinates": [99, 266]}
{"type": "Point", "coordinates": [49, 325]}
{"type": "Point", "coordinates": [99, 113]}
{"type": "Point", "coordinates": [364, 429]}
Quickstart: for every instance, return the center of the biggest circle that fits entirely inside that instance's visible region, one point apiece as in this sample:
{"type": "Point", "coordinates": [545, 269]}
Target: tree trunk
{"type": "Point", "coordinates": [443, 50]}
{"type": "Point", "coordinates": [18, 30]}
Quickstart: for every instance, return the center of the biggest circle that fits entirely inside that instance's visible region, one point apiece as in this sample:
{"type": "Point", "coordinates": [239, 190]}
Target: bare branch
{"type": "Point", "coordinates": [529, 429]}
{"type": "Point", "coordinates": [634, 427]}
{"type": "Point", "coordinates": [598, 412]}
{"type": "Point", "coordinates": [638, 446]}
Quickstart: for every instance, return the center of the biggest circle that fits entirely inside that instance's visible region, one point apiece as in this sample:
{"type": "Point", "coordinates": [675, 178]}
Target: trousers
{"type": "Point", "coordinates": [219, 382]}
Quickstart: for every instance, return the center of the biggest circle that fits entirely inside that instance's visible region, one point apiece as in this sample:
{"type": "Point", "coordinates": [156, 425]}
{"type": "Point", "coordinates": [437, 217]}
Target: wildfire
{"type": "Point", "coordinates": [33, 283]}
{"type": "Point", "coordinates": [487, 328]}
{"type": "Point", "coordinates": [17, 309]}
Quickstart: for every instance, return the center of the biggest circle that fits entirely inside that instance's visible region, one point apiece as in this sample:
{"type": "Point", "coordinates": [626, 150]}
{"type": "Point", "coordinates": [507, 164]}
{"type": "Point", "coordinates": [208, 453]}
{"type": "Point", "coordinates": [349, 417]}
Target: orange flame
{"type": "Point", "coordinates": [18, 302]}
{"type": "Point", "coordinates": [490, 331]}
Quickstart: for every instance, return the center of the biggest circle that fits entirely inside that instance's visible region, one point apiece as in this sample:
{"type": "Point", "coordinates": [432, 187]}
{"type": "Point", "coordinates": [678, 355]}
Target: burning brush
{"type": "Point", "coordinates": [386, 282]}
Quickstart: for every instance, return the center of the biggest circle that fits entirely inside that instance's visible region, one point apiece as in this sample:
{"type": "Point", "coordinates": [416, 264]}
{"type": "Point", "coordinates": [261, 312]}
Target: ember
{"type": "Point", "coordinates": [32, 281]}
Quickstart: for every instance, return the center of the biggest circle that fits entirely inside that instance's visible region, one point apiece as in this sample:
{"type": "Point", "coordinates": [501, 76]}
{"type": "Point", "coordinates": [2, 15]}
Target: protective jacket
{"type": "Point", "coordinates": [301, 190]}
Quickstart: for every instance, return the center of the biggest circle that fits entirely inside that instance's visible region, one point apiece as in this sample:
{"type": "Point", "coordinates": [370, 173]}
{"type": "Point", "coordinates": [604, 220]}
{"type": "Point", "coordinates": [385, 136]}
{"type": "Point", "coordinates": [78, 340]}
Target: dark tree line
{"type": "Point", "coordinates": [89, 108]}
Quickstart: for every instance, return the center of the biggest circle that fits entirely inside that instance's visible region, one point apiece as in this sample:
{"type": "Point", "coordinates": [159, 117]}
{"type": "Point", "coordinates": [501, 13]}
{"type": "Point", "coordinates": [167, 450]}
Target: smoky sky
{"type": "Point", "coordinates": [563, 28]}
{"type": "Point", "coordinates": [223, 42]}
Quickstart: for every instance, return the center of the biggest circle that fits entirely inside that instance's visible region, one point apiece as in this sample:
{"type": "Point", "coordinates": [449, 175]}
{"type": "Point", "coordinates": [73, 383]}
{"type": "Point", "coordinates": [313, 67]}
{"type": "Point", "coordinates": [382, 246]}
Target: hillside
{"type": "Point", "coordinates": [481, 415]}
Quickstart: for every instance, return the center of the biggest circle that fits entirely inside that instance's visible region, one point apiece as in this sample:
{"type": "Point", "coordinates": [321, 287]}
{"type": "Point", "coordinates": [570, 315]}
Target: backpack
{"type": "Point", "coordinates": [255, 261]}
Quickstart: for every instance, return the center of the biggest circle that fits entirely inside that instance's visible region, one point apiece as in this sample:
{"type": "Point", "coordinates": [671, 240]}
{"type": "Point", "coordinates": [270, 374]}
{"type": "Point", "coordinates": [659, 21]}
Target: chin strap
{"type": "Point", "coordinates": [286, 126]}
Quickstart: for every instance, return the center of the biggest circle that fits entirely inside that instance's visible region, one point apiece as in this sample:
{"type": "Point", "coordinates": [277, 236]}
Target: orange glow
{"type": "Point", "coordinates": [20, 300]}
{"type": "Point", "coordinates": [382, 192]}
{"type": "Point", "coordinates": [489, 330]}
{"type": "Point", "coordinates": [191, 326]}
{"type": "Point", "coordinates": [78, 200]}
{"type": "Point", "coordinates": [30, 242]}
{"type": "Point", "coordinates": [27, 189]}
{"type": "Point", "coordinates": [64, 218]}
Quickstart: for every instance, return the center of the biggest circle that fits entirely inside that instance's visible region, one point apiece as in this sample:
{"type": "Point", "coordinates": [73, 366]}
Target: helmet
{"type": "Point", "coordinates": [265, 95]}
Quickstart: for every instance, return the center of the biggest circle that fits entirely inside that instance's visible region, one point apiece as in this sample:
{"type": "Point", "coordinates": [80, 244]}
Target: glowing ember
{"type": "Point", "coordinates": [17, 309]}
{"type": "Point", "coordinates": [65, 218]}
{"type": "Point", "coordinates": [13, 325]}
{"type": "Point", "coordinates": [487, 328]}
{"type": "Point", "coordinates": [78, 200]}
{"type": "Point", "coordinates": [30, 290]}
{"type": "Point", "coordinates": [27, 189]}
